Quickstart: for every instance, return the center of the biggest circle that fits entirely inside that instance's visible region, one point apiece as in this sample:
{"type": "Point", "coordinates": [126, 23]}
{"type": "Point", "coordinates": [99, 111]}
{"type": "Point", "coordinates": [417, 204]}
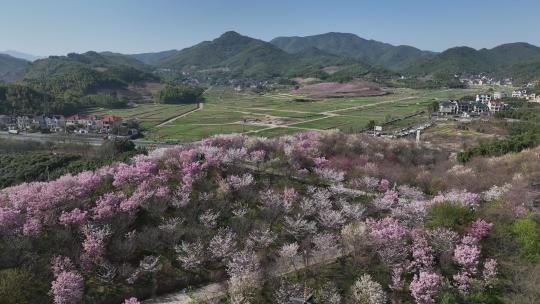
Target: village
{"type": "Point", "coordinates": [484, 104]}
{"type": "Point", "coordinates": [106, 125]}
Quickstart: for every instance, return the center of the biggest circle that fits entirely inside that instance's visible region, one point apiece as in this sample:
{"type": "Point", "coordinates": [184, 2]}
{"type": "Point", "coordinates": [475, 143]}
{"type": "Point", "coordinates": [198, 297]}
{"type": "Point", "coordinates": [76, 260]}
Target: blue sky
{"type": "Point", "coordinates": [45, 27]}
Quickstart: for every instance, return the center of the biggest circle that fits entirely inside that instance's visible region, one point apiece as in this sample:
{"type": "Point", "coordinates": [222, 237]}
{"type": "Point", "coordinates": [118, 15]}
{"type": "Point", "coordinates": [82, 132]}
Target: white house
{"type": "Point", "coordinates": [495, 106]}
{"type": "Point", "coordinates": [483, 97]}
{"type": "Point", "coordinates": [522, 93]}
{"type": "Point", "coordinates": [499, 95]}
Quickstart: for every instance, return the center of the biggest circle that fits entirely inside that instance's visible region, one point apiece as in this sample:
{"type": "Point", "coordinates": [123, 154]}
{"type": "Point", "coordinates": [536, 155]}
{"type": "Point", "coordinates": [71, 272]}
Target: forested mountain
{"type": "Point", "coordinates": [65, 84]}
{"type": "Point", "coordinates": [368, 51]}
{"type": "Point", "coordinates": [11, 68]}
{"type": "Point", "coordinates": [244, 56]}
{"type": "Point", "coordinates": [507, 60]}
{"type": "Point", "coordinates": [20, 55]}
{"type": "Point", "coordinates": [151, 58]}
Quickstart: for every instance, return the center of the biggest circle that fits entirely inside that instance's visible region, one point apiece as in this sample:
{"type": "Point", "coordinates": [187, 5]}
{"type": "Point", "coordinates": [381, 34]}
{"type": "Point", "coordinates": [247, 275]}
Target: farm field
{"type": "Point", "coordinates": [278, 113]}
{"type": "Point", "coordinates": [148, 115]}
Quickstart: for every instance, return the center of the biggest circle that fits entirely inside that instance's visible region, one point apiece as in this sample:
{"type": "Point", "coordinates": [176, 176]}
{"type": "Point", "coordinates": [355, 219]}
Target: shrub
{"type": "Point", "coordinates": [526, 234]}
{"type": "Point", "coordinates": [449, 215]}
{"type": "Point", "coordinates": [18, 286]}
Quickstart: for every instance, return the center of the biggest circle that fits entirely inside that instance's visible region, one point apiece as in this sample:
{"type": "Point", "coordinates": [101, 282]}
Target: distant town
{"type": "Point", "coordinates": [76, 124]}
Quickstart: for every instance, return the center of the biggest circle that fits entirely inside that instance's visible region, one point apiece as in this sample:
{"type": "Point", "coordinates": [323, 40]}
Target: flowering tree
{"type": "Point", "coordinates": [424, 287]}
{"type": "Point", "coordinates": [67, 288]}
{"type": "Point", "coordinates": [367, 291]}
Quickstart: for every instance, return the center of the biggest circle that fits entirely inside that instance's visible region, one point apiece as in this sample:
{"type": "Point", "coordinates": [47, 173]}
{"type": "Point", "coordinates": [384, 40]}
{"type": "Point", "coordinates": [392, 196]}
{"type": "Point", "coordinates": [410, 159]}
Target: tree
{"type": "Point", "coordinates": [180, 94]}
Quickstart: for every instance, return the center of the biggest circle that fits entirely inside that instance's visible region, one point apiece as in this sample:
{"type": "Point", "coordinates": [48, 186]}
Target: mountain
{"type": "Point", "coordinates": [11, 68]}
{"type": "Point", "coordinates": [100, 62]}
{"type": "Point", "coordinates": [151, 58]}
{"type": "Point", "coordinates": [21, 55]}
{"type": "Point", "coordinates": [524, 71]}
{"type": "Point", "coordinates": [466, 60]}
{"type": "Point", "coordinates": [244, 56]}
{"type": "Point", "coordinates": [369, 51]}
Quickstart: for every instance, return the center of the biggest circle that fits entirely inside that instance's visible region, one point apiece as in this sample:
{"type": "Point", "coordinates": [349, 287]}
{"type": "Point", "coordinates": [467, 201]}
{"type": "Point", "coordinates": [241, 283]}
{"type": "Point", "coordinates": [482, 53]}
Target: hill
{"type": "Point", "coordinates": [369, 51]}
{"type": "Point", "coordinates": [241, 56]}
{"type": "Point", "coordinates": [66, 84]}
{"type": "Point", "coordinates": [465, 60]}
{"type": "Point", "coordinates": [21, 55]}
{"type": "Point", "coordinates": [151, 58]}
{"type": "Point", "coordinates": [11, 68]}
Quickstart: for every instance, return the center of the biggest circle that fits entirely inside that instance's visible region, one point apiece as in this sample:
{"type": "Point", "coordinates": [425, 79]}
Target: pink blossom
{"type": "Point", "coordinates": [424, 287]}
{"type": "Point", "coordinates": [479, 229]}
{"type": "Point", "coordinates": [387, 230]}
{"type": "Point", "coordinates": [10, 221]}
{"type": "Point", "coordinates": [421, 251]}
{"type": "Point", "coordinates": [107, 205]}
{"type": "Point", "coordinates": [462, 281]}
{"type": "Point", "coordinates": [462, 198]}
{"type": "Point", "coordinates": [131, 301]}
{"type": "Point", "coordinates": [32, 226]}
{"type": "Point", "coordinates": [61, 264]}
{"type": "Point", "coordinates": [68, 288]}
{"type": "Point", "coordinates": [93, 245]}
{"type": "Point", "coordinates": [467, 256]}
{"type": "Point", "coordinates": [74, 217]}
{"type": "Point", "coordinates": [239, 182]}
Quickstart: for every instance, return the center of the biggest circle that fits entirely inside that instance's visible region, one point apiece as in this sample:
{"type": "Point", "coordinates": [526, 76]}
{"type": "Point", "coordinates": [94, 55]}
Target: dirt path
{"type": "Point", "coordinates": [198, 108]}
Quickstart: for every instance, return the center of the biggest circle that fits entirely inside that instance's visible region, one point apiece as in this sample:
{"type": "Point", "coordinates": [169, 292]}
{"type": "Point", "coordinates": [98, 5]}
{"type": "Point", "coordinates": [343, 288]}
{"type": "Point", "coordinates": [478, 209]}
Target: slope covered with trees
{"type": "Point", "coordinates": [507, 60]}
{"type": "Point", "coordinates": [369, 51]}
{"type": "Point", "coordinates": [243, 210]}
{"type": "Point", "coordinates": [241, 56]}
{"type": "Point", "coordinates": [11, 68]}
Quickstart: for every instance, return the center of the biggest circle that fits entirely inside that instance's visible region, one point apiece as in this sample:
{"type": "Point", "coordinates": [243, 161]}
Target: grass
{"type": "Point", "coordinates": [225, 111]}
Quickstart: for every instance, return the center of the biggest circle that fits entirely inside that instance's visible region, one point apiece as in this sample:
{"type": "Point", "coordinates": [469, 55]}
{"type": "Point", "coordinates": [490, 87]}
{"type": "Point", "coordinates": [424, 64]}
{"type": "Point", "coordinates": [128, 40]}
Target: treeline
{"type": "Point", "coordinates": [500, 147]}
{"type": "Point", "coordinates": [179, 94]}
{"type": "Point", "coordinates": [40, 163]}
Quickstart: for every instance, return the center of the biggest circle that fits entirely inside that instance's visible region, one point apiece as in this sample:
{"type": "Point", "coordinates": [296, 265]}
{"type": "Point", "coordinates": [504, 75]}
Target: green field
{"type": "Point", "coordinates": [279, 113]}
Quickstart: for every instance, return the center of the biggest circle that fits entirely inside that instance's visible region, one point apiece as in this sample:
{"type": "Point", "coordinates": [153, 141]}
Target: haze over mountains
{"type": "Point", "coordinates": [236, 56]}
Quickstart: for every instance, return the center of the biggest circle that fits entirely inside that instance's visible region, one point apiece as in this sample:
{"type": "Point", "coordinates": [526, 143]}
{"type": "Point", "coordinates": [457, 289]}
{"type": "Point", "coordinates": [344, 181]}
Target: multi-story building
{"type": "Point", "coordinates": [484, 97]}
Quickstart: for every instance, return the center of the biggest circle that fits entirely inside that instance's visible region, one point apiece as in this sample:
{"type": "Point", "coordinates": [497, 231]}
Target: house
{"type": "Point", "coordinates": [26, 122]}
{"type": "Point", "coordinates": [463, 106]}
{"type": "Point", "coordinates": [531, 97]}
{"type": "Point", "coordinates": [55, 123]}
{"type": "Point", "coordinates": [499, 95]}
{"type": "Point", "coordinates": [449, 107]}
{"type": "Point", "coordinates": [75, 120]}
{"type": "Point", "coordinates": [495, 106]}
{"type": "Point", "coordinates": [521, 93]}
{"type": "Point", "coordinates": [5, 120]}
{"type": "Point", "coordinates": [478, 107]}
{"type": "Point", "coordinates": [94, 122]}
{"type": "Point", "coordinates": [483, 97]}
{"type": "Point", "coordinates": [109, 122]}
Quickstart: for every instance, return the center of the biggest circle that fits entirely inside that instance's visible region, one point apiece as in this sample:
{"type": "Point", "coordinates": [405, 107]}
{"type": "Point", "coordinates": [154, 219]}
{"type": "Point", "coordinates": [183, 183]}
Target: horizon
{"type": "Point", "coordinates": [70, 26]}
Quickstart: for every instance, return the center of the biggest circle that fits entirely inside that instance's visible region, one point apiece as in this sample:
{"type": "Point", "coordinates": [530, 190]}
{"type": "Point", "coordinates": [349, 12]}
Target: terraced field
{"type": "Point", "coordinates": [278, 113]}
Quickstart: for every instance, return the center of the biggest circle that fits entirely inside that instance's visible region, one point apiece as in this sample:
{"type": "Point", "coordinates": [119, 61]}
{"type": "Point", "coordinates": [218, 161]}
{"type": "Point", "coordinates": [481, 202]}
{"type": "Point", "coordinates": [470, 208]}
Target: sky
{"type": "Point", "coordinates": [57, 27]}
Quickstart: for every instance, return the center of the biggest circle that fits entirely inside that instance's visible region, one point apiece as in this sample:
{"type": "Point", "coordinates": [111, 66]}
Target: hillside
{"type": "Point", "coordinates": [20, 55]}
{"type": "Point", "coordinates": [369, 51]}
{"type": "Point", "coordinates": [11, 68]}
{"type": "Point", "coordinates": [152, 58]}
{"type": "Point", "coordinates": [251, 213]}
{"type": "Point", "coordinates": [67, 84]}
{"type": "Point", "coordinates": [243, 56]}
{"type": "Point", "coordinates": [465, 60]}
